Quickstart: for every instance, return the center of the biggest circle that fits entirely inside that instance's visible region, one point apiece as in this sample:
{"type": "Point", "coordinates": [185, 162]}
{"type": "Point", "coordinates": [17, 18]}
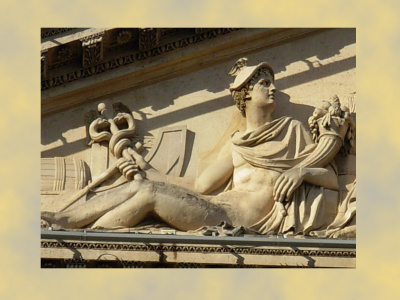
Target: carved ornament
{"type": "Point", "coordinates": [102, 66]}
{"type": "Point", "coordinates": [92, 50]}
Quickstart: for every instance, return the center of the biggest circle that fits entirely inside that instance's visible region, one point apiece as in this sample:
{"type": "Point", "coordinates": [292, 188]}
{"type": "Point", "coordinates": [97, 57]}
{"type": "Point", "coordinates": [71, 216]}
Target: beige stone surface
{"type": "Point", "coordinates": [307, 71]}
{"type": "Point", "coordinates": [198, 255]}
{"type": "Point", "coordinates": [204, 93]}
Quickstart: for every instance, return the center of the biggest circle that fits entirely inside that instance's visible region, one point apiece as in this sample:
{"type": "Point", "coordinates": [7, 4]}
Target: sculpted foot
{"type": "Point", "coordinates": [51, 220]}
{"type": "Point", "coordinates": [48, 216]}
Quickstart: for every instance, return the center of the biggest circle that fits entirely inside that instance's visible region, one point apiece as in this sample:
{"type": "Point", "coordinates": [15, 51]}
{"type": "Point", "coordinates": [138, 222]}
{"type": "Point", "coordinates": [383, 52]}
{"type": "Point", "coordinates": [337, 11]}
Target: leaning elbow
{"type": "Point", "coordinates": [201, 188]}
{"type": "Point", "coordinates": [334, 184]}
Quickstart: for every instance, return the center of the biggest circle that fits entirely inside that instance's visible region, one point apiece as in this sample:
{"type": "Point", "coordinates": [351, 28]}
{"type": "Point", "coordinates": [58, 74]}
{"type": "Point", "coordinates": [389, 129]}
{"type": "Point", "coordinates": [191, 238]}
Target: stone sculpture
{"type": "Point", "coordinates": [281, 181]}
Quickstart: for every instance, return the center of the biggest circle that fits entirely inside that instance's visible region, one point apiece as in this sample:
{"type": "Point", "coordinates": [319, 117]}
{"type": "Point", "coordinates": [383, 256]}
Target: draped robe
{"type": "Point", "coordinates": [310, 207]}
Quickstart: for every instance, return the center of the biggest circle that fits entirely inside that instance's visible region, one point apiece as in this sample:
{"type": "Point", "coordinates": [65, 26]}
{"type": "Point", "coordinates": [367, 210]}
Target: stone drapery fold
{"type": "Point", "coordinates": [311, 207]}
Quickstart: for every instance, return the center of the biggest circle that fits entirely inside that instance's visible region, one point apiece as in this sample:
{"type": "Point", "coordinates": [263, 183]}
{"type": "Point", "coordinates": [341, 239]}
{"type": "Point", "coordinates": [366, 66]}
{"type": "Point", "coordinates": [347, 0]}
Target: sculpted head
{"type": "Point", "coordinates": [261, 77]}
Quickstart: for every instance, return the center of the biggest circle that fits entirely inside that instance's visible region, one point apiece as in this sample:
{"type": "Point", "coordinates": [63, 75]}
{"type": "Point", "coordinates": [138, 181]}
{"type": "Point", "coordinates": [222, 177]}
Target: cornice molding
{"type": "Point", "coordinates": [148, 47]}
{"type": "Point", "coordinates": [49, 32]}
{"type": "Point", "coordinates": [170, 56]}
{"type": "Point", "coordinates": [198, 249]}
{"type": "Point", "coordinates": [67, 254]}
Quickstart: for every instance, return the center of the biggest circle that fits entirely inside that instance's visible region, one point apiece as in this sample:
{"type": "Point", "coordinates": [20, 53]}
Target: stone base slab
{"type": "Point", "coordinates": [220, 252]}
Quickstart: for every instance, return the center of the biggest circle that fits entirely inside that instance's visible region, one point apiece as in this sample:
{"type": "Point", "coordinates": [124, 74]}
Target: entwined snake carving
{"type": "Point", "coordinates": [119, 144]}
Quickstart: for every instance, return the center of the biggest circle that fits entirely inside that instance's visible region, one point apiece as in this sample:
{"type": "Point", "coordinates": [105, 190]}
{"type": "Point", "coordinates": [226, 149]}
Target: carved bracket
{"type": "Point", "coordinates": [92, 49]}
{"type": "Point", "coordinates": [43, 64]}
{"type": "Point", "coordinates": [63, 55]}
{"type": "Point", "coordinates": [148, 38]}
{"type": "Point", "coordinates": [124, 36]}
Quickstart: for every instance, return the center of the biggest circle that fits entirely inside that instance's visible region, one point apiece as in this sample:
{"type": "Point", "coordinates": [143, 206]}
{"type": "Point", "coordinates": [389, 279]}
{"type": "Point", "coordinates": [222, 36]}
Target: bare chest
{"type": "Point", "coordinates": [249, 177]}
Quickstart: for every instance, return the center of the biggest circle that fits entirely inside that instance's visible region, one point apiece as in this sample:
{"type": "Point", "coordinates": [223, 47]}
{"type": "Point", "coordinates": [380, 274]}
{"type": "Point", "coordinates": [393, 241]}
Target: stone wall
{"type": "Point", "coordinates": [309, 68]}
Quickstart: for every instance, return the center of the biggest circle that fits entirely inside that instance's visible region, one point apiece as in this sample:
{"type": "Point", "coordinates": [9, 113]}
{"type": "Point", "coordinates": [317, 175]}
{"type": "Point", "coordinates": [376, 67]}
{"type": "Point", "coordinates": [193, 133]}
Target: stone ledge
{"type": "Point", "coordinates": [129, 73]}
{"type": "Point", "coordinates": [97, 249]}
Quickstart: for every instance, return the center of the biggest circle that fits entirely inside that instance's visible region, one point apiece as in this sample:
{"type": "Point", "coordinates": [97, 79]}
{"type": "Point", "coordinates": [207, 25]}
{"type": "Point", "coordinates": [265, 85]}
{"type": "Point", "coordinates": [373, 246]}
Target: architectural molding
{"type": "Point", "coordinates": [143, 254]}
{"type": "Point", "coordinates": [141, 120]}
{"type": "Point", "coordinates": [63, 90]}
{"type": "Point", "coordinates": [148, 38]}
{"type": "Point", "coordinates": [148, 46]}
{"type": "Point", "coordinates": [200, 249]}
{"type": "Point", "coordinates": [49, 32]}
{"type": "Point", "coordinates": [43, 65]}
{"type": "Point", "coordinates": [92, 49]}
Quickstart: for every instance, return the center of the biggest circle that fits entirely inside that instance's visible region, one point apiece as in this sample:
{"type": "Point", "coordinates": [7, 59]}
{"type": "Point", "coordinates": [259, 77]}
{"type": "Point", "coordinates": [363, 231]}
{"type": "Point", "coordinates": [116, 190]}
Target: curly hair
{"type": "Point", "coordinates": [242, 95]}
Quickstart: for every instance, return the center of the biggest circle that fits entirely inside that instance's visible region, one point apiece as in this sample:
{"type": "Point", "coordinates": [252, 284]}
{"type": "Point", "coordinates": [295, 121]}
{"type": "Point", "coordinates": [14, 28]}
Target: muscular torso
{"type": "Point", "coordinates": [251, 196]}
{"type": "Point", "coordinates": [250, 178]}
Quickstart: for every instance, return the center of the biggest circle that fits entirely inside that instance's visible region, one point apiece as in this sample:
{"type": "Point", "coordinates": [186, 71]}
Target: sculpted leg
{"type": "Point", "coordinates": [128, 213]}
{"type": "Point", "coordinates": [187, 210]}
{"type": "Point", "coordinates": [180, 208]}
{"type": "Point", "coordinates": [94, 208]}
{"type": "Point", "coordinates": [128, 205]}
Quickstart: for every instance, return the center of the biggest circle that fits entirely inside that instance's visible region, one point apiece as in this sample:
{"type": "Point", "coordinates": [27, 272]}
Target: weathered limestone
{"type": "Point", "coordinates": [140, 135]}
{"type": "Point", "coordinates": [144, 251]}
{"type": "Point", "coordinates": [277, 175]}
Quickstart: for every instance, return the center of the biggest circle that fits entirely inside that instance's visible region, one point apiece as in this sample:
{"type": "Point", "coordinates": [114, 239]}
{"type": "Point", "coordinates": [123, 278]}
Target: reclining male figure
{"type": "Point", "coordinates": [267, 164]}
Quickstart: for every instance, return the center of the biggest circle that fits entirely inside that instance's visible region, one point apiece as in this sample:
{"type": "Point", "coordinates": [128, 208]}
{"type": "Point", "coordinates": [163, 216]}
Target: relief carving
{"type": "Point", "coordinates": [92, 50]}
{"type": "Point", "coordinates": [113, 63]}
{"type": "Point", "coordinates": [63, 56]}
{"type": "Point", "coordinates": [59, 174]}
{"type": "Point", "coordinates": [43, 65]}
{"type": "Point", "coordinates": [124, 36]}
{"type": "Point", "coordinates": [278, 177]}
{"type": "Point", "coordinates": [148, 38]}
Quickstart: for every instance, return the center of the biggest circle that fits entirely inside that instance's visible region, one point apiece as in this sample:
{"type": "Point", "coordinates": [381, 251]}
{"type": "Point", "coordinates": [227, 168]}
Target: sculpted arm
{"type": "Point", "coordinates": [332, 127]}
{"type": "Point", "coordinates": [155, 175]}
{"type": "Point", "coordinates": [313, 170]}
{"type": "Point", "coordinates": [324, 177]}
{"type": "Point", "coordinates": [213, 177]}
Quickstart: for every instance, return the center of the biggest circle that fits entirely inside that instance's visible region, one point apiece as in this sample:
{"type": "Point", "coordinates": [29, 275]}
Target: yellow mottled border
{"type": "Point", "coordinates": [378, 43]}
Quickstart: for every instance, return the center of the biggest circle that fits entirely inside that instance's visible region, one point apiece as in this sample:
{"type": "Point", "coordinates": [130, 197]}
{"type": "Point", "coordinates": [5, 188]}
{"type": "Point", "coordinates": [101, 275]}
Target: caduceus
{"type": "Point", "coordinates": [118, 137]}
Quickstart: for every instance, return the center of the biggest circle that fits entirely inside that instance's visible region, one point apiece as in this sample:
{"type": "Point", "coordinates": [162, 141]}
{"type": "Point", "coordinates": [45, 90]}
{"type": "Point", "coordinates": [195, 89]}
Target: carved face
{"type": "Point", "coordinates": [263, 92]}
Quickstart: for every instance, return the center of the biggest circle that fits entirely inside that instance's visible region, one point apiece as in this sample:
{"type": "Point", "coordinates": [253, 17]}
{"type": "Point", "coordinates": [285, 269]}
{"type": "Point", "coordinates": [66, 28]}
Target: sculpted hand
{"type": "Point", "coordinates": [127, 168]}
{"type": "Point", "coordinates": [143, 165]}
{"type": "Point", "coordinates": [287, 183]}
